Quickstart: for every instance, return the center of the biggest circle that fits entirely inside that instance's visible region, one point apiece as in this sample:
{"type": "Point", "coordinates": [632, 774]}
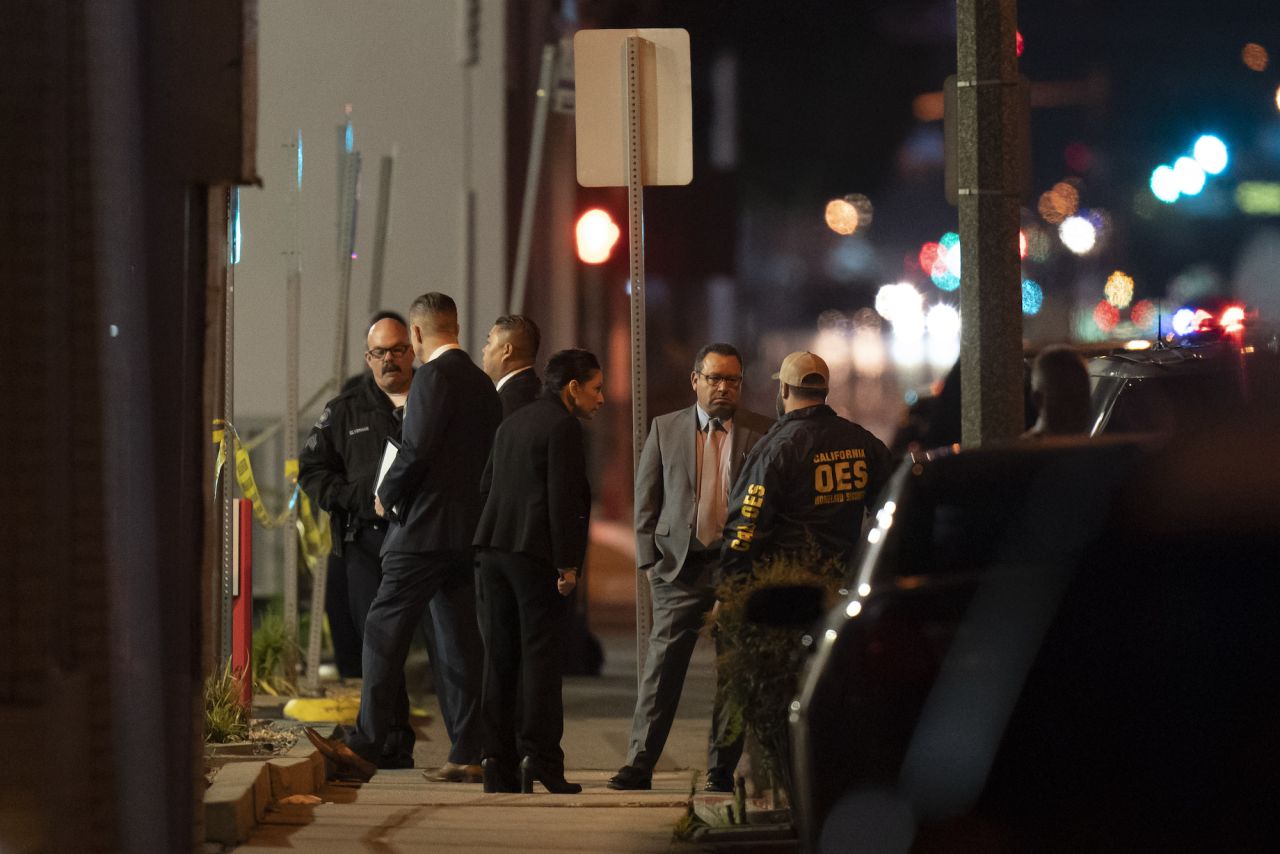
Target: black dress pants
{"type": "Point", "coordinates": [342, 627]}
{"type": "Point", "coordinates": [521, 620]}
{"type": "Point", "coordinates": [443, 581]}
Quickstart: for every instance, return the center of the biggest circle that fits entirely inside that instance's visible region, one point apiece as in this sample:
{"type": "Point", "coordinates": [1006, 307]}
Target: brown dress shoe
{"type": "Point", "coordinates": [453, 772]}
{"type": "Point", "coordinates": [348, 762]}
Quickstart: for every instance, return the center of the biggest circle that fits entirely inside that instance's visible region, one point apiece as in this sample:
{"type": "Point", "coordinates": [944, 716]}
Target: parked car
{"type": "Point", "coordinates": [1058, 646]}
{"type": "Point", "coordinates": [1191, 386]}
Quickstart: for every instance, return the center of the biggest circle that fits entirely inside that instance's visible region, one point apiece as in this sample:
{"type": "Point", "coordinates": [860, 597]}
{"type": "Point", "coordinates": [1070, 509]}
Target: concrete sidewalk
{"type": "Point", "coordinates": [401, 811]}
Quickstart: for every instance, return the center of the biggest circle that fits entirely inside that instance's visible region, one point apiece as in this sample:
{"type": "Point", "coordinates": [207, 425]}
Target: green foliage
{"type": "Point", "coordinates": [225, 718]}
{"type": "Point", "coordinates": [760, 665]}
{"type": "Point", "coordinates": [270, 652]}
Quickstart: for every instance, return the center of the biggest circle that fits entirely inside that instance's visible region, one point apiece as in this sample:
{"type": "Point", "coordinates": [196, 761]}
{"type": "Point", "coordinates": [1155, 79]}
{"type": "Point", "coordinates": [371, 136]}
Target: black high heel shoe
{"type": "Point", "coordinates": [556, 784]}
{"type": "Point", "coordinates": [497, 778]}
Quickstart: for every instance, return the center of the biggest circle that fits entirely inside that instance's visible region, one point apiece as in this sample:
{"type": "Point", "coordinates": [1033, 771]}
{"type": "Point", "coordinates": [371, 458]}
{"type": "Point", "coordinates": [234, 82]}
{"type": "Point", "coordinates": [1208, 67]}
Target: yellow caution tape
{"type": "Point", "coordinates": [316, 537]}
{"type": "Point", "coordinates": [313, 532]}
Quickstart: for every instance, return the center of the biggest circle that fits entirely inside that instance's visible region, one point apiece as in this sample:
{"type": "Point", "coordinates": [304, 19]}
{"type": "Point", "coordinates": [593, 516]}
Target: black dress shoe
{"type": "Point", "coordinates": [630, 777]}
{"type": "Point", "coordinates": [395, 761]}
{"type": "Point", "coordinates": [719, 783]}
{"type": "Point", "coordinates": [555, 782]}
{"type": "Point", "coordinates": [347, 761]}
{"type": "Point", "coordinates": [497, 777]}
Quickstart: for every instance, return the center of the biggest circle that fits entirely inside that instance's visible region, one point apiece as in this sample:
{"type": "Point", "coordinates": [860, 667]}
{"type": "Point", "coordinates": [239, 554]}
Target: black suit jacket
{"type": "Point", "coordinates": [449, 421]}
{"type": "Point", "coordinates": [519, 391]}
{"type": "Point", "coordinates": [537, 499]}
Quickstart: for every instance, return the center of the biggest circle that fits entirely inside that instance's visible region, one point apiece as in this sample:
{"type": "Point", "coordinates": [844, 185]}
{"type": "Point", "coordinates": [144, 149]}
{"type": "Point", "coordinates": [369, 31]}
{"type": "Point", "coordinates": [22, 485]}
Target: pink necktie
{"type": "Point", "coordinates": [711, 498]}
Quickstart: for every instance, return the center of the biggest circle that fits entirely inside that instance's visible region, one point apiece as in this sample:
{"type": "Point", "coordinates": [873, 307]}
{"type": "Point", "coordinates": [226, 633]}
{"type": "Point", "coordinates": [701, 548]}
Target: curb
{"type": "Point", "coordinates": [241, 792]}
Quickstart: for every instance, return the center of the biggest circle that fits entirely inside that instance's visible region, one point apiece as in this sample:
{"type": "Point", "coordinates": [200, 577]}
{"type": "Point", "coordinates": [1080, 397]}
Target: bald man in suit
{"type": "Point", "coordinates": [688, 464]}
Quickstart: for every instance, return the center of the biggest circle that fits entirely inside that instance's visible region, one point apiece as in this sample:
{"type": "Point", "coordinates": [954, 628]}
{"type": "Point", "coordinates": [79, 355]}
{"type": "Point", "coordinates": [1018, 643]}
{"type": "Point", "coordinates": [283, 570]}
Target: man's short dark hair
{"type": "Point", "coordinates": [522, 333]}
{"type": "Point", "coordinates": [818, 394]}
{"type": "Point", "coordinates": [720, 349]}
{"type": "Point", "coordinates": [438, 310]}
{"type": "Point", "coordinates": [387, 314]}
{"type": "Point", "coordinates": [568, 365]}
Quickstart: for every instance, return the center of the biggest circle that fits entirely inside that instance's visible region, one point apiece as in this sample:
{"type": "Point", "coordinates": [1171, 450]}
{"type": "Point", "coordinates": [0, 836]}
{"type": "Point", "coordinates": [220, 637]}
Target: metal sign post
{"type": "Point", "coordinates": [346, 251]}
{"type": "Point", "coordinates": [635, 236]}
{"type": "Point", "coordinates": [381, 225]}
{"type": "Point", "coordinates": [652, 145]}
{"type": "Point", "coordinates": [293, 311]}
{"type": "Point", "coordinates": [228, 413]}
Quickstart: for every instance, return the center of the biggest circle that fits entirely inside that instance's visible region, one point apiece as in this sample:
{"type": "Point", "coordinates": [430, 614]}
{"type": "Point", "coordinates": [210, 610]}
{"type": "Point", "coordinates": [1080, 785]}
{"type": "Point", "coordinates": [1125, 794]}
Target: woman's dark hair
{"type": "Point", "coordinates": [568, 365]}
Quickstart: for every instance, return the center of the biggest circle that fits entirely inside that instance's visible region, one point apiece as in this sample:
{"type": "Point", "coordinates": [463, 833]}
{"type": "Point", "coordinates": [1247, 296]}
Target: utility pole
{"type": "Point", "coordinates": [989, 152]}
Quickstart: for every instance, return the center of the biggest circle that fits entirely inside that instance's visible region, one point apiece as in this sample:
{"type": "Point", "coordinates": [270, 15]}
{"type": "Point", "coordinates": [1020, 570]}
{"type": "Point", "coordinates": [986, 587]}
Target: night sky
{"type": "Point", "coordinates": [825, 108]}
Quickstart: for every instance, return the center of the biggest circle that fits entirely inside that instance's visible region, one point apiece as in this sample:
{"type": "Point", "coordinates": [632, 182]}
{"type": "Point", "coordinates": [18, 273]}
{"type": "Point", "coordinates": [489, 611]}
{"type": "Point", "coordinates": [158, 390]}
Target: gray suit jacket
{"type": "Point", "coordinates": [666, 494]}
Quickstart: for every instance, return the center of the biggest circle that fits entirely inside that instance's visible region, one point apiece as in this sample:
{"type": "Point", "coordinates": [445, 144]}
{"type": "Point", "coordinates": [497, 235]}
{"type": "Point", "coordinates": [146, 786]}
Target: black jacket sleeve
{"type": "Point", "coordinates": [323, 474]}
{"type": "Point", "coordinates": [568, 494]}
{"type": "Point", "coordinates": [752, 508]}
{"type": "Point", "coordinates": [421, 436]}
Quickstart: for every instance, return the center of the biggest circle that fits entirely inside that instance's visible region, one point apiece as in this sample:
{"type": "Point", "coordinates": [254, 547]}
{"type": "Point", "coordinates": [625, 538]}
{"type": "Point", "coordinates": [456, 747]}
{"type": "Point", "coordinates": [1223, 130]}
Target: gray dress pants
{"type": "Point", "coordinates": [679, 610]}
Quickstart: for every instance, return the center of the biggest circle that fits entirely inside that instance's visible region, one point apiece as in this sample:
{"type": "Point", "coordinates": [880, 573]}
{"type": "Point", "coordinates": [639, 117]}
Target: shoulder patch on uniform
{"type": "Point", "coordinates": [324, 418]}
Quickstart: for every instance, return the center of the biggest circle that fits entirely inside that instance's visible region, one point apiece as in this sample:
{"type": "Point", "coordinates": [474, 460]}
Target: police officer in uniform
{"type": "Point", "coordinates": [811, 478]}
{"type": "Point", "coordinates": [339, 463]}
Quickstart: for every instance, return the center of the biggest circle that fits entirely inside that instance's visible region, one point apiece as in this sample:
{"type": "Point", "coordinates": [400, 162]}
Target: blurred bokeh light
{"type": "Point", "coordinates": [1059, 202]}
{"type": "Point", "coordinates": [1039, 243]}
{"type": "Point", "coordinates": [1255, 57]}
{"type": "Point", "coordinates": [1184, 320]}
{"type": "Point", "coordinates": [849, 213]}
{"type": "Point", "coordinates": [1032, 297]}
{"type": "Point", "coordinates": [928, 257]}
{"type": "Point", "coordinates": [596, 234]}
{"type": "Point", "coordinates": [841, 216]}
{"type": "Point", "coordinates": [903, 306]}
{"type": "Point", "coordinates": [1078, 157]}
{"type": "Point", "coordinates": [1119, 289]}
{"type": "Point", "coordinates": [1106, 316]}
{"type": "Point", "coordinates": [1164, 184]}
{"type": "Point", "coordinates": [1144, 315]}
{"type": "Point", "coordinates": [946, 269]}
{"type": "Point", "coordinates": [1189, 175]}
{"type": "Point", "coordinates": [1078, 234]}
{"type": "Point", "coordinates": [1211, 153]}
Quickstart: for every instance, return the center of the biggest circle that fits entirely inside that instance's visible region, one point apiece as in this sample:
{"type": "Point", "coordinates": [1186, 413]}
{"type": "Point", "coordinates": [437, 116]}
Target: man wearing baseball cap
{"type": "Point", "coordinates": [810, 480]}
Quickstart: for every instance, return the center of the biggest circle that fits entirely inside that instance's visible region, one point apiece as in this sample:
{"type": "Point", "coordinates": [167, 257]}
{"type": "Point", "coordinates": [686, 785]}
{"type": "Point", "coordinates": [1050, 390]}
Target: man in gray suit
{"type": "Point", "coordinates": [688, 464]}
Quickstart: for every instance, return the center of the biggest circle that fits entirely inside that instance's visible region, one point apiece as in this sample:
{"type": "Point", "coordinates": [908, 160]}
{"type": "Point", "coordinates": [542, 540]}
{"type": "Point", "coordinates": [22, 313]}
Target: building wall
{"type": "Point", "coordinates": [423, 79]}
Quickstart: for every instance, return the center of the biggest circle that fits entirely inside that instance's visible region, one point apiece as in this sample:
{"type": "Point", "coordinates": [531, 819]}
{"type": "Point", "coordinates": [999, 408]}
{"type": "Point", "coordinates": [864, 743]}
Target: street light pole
{"type": "Point", "coordinates": [988, 160]}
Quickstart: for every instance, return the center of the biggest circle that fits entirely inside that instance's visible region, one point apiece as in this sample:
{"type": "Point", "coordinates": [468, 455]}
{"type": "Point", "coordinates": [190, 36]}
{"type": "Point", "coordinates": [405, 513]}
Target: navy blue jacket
{"type": "Point", "coordinates": [431, 492]}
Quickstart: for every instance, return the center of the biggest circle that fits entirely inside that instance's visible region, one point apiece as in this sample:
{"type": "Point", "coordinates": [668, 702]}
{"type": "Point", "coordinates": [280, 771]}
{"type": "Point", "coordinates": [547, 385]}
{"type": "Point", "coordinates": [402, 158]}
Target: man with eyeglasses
{"type": "Point", "coordinates": [337, 468]}
{"type": "Point", "coordinates": [689, 461]}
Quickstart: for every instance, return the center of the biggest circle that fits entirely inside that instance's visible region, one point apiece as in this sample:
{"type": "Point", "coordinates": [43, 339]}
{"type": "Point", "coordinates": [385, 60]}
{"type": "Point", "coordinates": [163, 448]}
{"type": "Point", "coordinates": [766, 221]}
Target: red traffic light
{"type": "Point", "coordinates": [596, 234]}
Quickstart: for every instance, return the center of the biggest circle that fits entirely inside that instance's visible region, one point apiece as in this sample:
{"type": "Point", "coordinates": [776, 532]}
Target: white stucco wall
{"type": "Point", "coordinates": [400, 65]}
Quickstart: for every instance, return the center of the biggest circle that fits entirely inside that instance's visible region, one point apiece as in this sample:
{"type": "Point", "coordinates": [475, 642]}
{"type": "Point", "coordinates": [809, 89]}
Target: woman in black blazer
{"type": "Point", "coordinates": [530, 543]}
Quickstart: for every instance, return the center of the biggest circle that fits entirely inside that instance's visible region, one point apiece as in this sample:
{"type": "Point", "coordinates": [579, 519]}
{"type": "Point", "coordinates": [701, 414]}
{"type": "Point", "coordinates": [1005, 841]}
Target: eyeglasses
{"type": "Point", "coordinates": [395, 352]}
{"type": "Point", "coordinates": [718, 379]}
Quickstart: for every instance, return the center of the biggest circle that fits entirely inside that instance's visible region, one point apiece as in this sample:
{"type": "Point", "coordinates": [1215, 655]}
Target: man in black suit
{"type": "Point", "coordinates": [508, 357]}
{"type": "Point", "coordinates": [430, 495]}
{"type": "Point", "coordinates": [687, 466]}
{"type": "Point", "coordinates": [531, 539]}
